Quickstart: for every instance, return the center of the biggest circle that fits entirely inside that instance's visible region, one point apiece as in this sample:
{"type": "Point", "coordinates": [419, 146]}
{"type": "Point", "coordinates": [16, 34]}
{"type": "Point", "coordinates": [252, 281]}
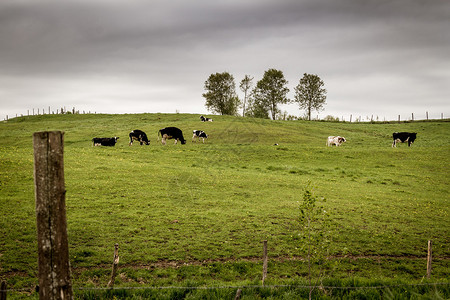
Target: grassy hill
{"type": "Point", "coordinates": [200, 204]}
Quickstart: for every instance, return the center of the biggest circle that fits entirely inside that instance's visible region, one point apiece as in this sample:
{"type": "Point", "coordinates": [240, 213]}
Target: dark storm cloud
{"type": "Point", "coordinates": [156, 55]}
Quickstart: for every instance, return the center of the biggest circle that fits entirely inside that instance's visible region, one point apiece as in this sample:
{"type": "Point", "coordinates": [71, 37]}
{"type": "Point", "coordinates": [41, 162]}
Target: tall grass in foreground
{"type": "Point", "coordinates": [330, 289]}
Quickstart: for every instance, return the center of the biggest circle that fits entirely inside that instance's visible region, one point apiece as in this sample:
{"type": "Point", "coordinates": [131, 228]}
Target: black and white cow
{"type": "Point", "coordinates": [140, 136]}
{"type": "Point", "coordinates": [403, 137]}
{"type": "Point", "coordinates": [203, 119]}
{"type": "Point", "coordinates": [171, 133]}
{"type": "Point", "coordinates": [104, 141]}
{"type": "Point", "coordinates": [199, 134]}
{"type": "Point", "coordinates": [335, 140]}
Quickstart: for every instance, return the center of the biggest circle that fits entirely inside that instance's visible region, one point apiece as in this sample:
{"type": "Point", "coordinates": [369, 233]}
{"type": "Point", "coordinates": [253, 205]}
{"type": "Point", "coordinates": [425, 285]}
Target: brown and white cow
{"type": "Point", "coordinates": [335, 140]}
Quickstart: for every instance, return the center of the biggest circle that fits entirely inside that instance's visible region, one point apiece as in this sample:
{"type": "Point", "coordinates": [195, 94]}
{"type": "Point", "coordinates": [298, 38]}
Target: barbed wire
{"type": "Point", "coordinates": [240, 287]}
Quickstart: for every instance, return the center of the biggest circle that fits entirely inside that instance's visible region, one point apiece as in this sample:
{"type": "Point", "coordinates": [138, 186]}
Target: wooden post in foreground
{"type": "Point", "coordinates": [114, 267]}
{"type": "Point", "coordinates": [238, 294]}
{"type": "Point", "coordinates": [264, 262]}
{"type": "Point", "coordinates": [429, 259]}
{"type": "Point", "coordinates": [3, 291]}
{"type": "Point", "coordinates": [53, 250]}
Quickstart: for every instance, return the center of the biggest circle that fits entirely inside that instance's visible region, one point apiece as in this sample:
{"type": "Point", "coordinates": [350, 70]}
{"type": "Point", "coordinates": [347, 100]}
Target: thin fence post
{"type": "Point", "coordinates": [350, 118]}
{"type": "Point", "coordinates": [53, 249]}
{"type": "Point", "coordinates": [429, 259]}
{"type": "Point", "coordinates": [412, 116]}
{"type": "Point", "coordinates": [427, 115]}
{"type": "Point", "coordinates": [114, 267]}
{"type": "Point", "coordinates": [399, 118]}
{"type": "Point", "coordinates": [238, 294]}
{"type": "Point", "coordinates": [3, 291]}
{"type": "Point", "coordinates": [264, 262]}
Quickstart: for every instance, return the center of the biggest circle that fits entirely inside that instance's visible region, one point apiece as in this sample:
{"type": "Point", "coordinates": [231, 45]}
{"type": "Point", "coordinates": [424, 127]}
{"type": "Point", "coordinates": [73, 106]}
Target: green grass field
{"type": "Point", "coordinates": [182, 212]}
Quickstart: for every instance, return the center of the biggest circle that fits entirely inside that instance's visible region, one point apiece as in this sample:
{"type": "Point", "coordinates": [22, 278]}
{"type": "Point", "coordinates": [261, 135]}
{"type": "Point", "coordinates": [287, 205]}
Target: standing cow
{"type": "Point", "coordinates": [140, 136]}
{"type": "Point", "coordinates": [403, 137]}
{"type": "Point", "coordinates": [171, 133]}
{"type": "Point", "coordinates": [104, 141]}
{"type": "Point", "coordinates": [335, 140]}
{"type": "Point", "coordinates": [199, 134]}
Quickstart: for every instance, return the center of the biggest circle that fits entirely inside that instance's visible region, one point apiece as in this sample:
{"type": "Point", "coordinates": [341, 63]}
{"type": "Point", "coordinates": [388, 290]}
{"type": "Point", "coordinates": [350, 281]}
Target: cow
{"type": "Point", "coordinates": [199, 134]}
{"type": "Point", "coordinates": [403, 137]}
{"type": "Point", "coordinates": [104, 141]}
{"type": "Point", "coordinates": [171, 133]}
{"type": "Point", "coordinates": [138, 135]}
{"type": "Point", "coordinates": [335, 140]}
{"type": "Point", "coordinates": [203, 119]}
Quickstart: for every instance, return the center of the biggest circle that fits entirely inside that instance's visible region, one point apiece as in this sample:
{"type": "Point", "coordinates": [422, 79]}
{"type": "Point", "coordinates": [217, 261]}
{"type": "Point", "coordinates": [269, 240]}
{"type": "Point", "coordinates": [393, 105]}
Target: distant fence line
{"type": "Point", "coordinates": [351, 118]}
{"type": "Point", "coordinates": [371, 118]}
{"type": "Point", "coordinates": [49, 111]}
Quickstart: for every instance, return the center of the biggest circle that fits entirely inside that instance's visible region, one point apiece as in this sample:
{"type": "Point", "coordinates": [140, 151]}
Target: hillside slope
{"type": "Point", "coordinates": [220, 199]}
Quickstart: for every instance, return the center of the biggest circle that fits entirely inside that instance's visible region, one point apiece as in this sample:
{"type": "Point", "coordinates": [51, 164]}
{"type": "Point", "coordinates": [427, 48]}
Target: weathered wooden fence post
{"type": "Point", "coordinates": [264, 262]}
{"type": "Point", "coordinates": [3, 291]}
{"type": "Point", "coordinates": [429, 259]}
{"type": "Point", "coordinates": [238, 294]}
{"type": "Point", "coordinates": [53, 249]}
{"type": "Point", "coordinates": [114, 267]}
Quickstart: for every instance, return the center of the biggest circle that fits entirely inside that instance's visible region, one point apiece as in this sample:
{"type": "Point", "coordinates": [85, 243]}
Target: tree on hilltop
{"type": "Point", "coordinates": [221, 94]}
{"type": "Point", "coordinates": [271, 91]}
{"type": "Point", "coordinates": [310, 94]}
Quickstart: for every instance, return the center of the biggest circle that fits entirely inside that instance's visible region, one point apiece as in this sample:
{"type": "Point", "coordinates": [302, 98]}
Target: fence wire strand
{"type": "Point", "coordinates": [239, 287]}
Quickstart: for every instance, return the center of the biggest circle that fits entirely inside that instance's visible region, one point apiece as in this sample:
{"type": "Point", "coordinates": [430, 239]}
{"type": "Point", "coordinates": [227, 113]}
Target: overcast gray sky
{"type": "Point", "coordinates": [376, 57]}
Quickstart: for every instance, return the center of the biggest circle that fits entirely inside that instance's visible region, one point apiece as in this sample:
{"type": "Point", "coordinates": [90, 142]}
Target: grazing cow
{"type": "Point", "coordinates": [203, 119]}
{"type": "Point", "coordinates": [403, 137]}
{"type": "Point", "coordinates": [104, 141]}
{"type": "Point", "coordinates": [199, 134]}
{"type": "Point", "coordinates": [140, 136]}
{"type": "Point", "coordinates": [335, 140]}
{"type": "Point", "coordinates": [171, 133]}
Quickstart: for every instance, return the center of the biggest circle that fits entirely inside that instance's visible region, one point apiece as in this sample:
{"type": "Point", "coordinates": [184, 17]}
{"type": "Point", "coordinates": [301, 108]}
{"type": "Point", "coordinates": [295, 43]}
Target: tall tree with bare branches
{"type": "Point", "coordinates": [245, 86]}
